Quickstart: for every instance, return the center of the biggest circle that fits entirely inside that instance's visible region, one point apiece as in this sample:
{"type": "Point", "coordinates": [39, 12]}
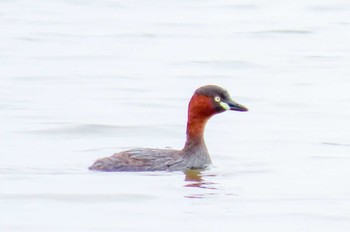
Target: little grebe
{"type": "Point", "coordinates": [205, 102]}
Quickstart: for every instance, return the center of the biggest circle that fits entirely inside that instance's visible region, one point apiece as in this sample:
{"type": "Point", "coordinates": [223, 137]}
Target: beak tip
{"type": "Point", "coordinates": [239, 108]}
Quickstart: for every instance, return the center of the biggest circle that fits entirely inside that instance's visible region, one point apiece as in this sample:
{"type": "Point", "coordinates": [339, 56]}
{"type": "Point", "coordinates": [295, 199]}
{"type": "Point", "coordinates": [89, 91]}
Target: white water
{"type": "Point", "coordinates": [84, 79]}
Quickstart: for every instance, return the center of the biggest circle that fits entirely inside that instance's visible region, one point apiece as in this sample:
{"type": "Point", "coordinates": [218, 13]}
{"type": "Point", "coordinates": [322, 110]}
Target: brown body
{"type": "Point", "coordinates": [206, 102]}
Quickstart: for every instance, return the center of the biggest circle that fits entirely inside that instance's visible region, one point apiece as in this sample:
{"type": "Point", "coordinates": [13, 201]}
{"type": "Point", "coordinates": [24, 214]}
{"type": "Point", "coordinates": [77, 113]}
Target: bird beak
{"type": "Point", "coordinates": [235, 106]}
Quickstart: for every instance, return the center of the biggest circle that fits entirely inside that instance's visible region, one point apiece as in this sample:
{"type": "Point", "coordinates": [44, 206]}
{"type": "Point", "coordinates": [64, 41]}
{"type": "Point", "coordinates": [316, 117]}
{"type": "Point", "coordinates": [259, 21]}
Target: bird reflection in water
{"type": "Point", "coordinates": [196, 179]}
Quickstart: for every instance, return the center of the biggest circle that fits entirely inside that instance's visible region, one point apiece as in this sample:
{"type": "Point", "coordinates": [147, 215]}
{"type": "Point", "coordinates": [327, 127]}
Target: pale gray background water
{"type": "Point", "coordinates": [84, 79]}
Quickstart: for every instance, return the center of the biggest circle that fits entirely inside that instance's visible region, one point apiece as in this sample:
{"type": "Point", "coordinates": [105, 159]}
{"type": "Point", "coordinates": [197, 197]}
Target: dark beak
{"type": "Point", "coordinates": [237, 107]}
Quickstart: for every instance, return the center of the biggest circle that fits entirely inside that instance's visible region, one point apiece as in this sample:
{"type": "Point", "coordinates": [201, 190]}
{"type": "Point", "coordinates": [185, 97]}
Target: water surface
{"type": "Point", "coordinates": [84, 79]}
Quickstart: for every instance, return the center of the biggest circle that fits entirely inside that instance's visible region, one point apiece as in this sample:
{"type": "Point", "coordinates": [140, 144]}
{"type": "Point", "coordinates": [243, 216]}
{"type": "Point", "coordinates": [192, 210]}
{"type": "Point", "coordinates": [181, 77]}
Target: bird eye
{"type": "Point", "coordinates": [217, 99]}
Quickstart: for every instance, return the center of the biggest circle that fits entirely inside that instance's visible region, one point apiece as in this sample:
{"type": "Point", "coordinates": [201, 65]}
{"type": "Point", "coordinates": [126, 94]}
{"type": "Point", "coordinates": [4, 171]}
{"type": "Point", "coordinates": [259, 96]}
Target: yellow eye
{"type": "Point", "coordinates": [217, 99]}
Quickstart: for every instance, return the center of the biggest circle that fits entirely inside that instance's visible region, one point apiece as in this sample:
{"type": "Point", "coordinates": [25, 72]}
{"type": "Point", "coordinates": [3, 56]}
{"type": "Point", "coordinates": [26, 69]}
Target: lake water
{"type": "Point", "coordinates": [82, 80]}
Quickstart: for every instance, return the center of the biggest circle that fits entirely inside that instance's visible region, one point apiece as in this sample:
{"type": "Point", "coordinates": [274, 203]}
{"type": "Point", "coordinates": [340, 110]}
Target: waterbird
{"type": "Point", "coordinates": [206, 101]}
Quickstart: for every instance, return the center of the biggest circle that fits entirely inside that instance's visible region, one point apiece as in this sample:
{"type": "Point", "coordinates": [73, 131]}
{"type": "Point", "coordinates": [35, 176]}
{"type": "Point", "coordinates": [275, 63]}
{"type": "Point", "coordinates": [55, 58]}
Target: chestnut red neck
{"type": "Point", "coordinates": [200, 109]}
